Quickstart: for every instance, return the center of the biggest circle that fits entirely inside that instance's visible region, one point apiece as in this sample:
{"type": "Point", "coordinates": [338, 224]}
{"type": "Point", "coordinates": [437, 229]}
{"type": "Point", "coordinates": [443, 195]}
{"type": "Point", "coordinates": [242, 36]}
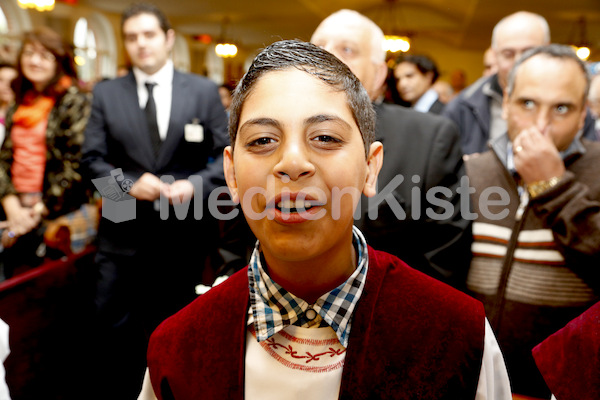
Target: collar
{"type": "Point", "coordinates": [273, 308]}
{"type": "Point", "coordinates": [162, 77]}
{"type": "Point", "coordinates": [491, 88]}
{"type": "Point", "coordinates": [426, 100]}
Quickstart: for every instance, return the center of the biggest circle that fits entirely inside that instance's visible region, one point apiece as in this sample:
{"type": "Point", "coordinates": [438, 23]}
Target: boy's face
{"type": "Point", "coordinates": [297, 148]}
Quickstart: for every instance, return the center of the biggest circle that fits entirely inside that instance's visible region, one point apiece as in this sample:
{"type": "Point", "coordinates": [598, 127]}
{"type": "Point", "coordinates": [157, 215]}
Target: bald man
{"type": "Point", "coordinates": [422, 152]}
{"type": "Point", "coordinates": [478, 109]}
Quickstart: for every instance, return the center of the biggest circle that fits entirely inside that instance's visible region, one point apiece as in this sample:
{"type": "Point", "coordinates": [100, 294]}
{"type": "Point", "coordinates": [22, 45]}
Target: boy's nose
{"type": "Point", "coordinates": [294, 162]}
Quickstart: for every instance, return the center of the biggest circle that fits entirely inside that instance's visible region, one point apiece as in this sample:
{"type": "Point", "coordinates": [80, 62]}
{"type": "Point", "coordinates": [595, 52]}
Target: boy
{"type": "Point", "coordinates": [318, 314]}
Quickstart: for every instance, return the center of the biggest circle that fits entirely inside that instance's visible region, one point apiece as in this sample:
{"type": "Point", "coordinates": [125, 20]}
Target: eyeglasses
{"type": "Point", "coordinates": [43, 54]}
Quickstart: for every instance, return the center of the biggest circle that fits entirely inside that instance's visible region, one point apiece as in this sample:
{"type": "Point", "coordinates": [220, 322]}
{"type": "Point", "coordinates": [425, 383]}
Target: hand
{"type": "Point", "coordinates": [19, 220]}
{"type": "Point", "coordinates": [148, 187]}
{"type": "Point", "coordinates": [536, 157]}
{"type": "Point", "coordinates": [181, 189]}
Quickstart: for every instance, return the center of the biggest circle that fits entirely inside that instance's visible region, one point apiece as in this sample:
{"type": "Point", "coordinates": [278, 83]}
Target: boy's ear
{"type": "Point", "coordinates": [230, 174]}
{"type": "Point", "coordinates": [374, 163]}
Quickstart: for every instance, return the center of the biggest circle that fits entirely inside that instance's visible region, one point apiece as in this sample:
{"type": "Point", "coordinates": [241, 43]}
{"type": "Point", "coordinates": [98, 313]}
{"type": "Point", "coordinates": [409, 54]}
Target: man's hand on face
{"type": "Point", "coordinates": [536, 157]}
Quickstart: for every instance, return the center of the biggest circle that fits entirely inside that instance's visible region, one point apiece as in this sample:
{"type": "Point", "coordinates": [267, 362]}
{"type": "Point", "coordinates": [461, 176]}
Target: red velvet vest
{"type": "Point", "coordinates": [412, 337]}
{"type": "Point", "coordinates": [569, 360]}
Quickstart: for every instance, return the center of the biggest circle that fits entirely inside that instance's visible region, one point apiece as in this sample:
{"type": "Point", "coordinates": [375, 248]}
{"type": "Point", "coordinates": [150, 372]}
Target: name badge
{"type": "Point", "coordinates": [194, 132]}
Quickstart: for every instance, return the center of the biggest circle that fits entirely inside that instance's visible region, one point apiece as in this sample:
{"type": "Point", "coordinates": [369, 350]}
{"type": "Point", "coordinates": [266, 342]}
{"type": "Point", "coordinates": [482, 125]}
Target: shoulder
{"type": "Point", "coordinates": [111, 86]}
{"type": "Point", "coordinates": [405, 118]}
{"type": "Point", "coordinates": [592, 148]}
{"type": "Point", "coordinates": [75, 94]}
{"type": "Point", "coordinates": [481, 164]}
{"type": "Point", "coordinates": [471, 95]}
{"type": "Point", "coordinates": [193, 79]}
{"type": "Point", "coordinates": [421, 294]}
{"type": "Point", "coordinates": [74, 102]}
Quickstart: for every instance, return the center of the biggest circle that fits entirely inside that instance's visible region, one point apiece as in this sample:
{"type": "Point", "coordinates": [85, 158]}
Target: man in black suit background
{"type": "Point", "coordinates": [415, 75]}
{"type": "Point", "coordinates": [421, 152]}
{"type": "Point", "coordinates": [166, 131]}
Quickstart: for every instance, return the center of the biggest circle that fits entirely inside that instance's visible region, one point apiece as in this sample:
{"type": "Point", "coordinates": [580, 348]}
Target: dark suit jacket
{"type": "Point", "coordinates": [437, 107]}
{"type": "Point", "coordinates": [116, 137]}
{"type": "Point", "coordinates": [426, 146]}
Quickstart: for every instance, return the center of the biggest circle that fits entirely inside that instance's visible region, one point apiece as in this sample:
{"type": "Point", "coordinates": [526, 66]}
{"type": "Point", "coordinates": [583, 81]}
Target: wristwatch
{"type": "Point", "coordinates": [537, 187]}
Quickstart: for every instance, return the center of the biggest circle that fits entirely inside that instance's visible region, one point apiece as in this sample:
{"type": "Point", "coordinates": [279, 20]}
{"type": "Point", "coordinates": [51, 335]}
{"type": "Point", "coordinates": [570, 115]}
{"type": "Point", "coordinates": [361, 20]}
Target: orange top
{"type": "Point", "coordinates": [29, 152]}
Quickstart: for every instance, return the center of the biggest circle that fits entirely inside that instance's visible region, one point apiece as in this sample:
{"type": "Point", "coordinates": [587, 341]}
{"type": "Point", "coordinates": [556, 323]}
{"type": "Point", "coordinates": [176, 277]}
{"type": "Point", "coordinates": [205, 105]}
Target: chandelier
{"type": "Point", "coordinates": [223, 48]}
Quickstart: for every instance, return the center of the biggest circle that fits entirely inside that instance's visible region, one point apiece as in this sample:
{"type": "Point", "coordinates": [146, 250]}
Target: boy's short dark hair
{"type": "Point", "coordinates": [313, 60]}
{"type": "Point", "coordinates": [423, 63]}
{"type": "Point", "coordinates": [146, 8]}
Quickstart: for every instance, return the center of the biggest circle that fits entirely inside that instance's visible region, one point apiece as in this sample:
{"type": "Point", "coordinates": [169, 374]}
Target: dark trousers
{"type": "Point", "coordinates": [135, 293]}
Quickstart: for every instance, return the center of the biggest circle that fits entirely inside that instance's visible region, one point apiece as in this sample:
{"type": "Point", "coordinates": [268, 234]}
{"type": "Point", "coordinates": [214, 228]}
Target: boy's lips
{"type": "Point", "coordinates": [294, 207]}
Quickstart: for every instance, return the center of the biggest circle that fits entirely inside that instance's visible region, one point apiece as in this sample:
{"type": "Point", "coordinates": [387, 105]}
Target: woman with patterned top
{"type": "Point", "coordinates": [39, 159]}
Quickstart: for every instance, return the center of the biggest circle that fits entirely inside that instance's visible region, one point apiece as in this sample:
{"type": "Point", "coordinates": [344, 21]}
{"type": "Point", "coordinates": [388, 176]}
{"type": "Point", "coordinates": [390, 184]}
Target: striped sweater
{"type": "Point", "coordinates": [535, 262]}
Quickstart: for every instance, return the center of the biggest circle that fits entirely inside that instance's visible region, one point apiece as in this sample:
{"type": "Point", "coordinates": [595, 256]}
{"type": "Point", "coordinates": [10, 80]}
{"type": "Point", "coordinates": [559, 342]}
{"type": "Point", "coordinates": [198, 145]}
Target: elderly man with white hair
{"type": "Point", "coordinates": [422, 152]}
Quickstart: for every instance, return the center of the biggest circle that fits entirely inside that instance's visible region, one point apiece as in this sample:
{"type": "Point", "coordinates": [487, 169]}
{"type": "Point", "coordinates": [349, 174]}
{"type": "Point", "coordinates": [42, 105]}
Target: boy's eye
{"type": "Point", "coordinates": [326, 142]}
{"type": "Point", "coordinates": [326, 139]}
{"type": "Point", "coordinates": [263, 141]}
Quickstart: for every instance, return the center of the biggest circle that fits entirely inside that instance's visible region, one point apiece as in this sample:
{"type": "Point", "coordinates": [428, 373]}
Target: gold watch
{"type": "Point", "coordinates": [537, 187]}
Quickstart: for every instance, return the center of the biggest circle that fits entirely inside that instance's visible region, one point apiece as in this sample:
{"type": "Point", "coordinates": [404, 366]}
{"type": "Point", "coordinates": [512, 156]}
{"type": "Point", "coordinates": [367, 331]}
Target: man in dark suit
{"type": "Point", "coordinates": [165, 130]}
{"type": "Point", "coordinates": [415, 75]}
{"type": "Point", "coordinates": [422, 152]}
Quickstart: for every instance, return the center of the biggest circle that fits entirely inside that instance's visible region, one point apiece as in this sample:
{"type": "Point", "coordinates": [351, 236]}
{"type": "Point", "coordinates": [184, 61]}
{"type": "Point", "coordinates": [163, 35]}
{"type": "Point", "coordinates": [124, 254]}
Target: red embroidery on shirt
{"type": "Point", "coordinates": [331, 352]}
{"type": "Point", "coordinates": [271, 347]}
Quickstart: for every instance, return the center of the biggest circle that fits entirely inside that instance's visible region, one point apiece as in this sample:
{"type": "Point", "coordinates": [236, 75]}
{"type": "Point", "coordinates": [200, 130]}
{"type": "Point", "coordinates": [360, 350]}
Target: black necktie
{"type": "Point", "coordinates": [150, 112]}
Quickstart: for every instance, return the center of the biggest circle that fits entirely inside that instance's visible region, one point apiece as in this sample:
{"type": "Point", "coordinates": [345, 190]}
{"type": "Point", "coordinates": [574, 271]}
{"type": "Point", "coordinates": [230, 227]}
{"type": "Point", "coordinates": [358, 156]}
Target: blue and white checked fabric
{"type": "Point", "coordinates": [273, 308]}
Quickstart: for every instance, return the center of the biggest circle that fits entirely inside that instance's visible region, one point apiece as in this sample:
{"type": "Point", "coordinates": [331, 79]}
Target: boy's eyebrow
{"type": "Point", "coordinates": [260, 122]}
{"type": "Point", "coordinates": [315, 119]}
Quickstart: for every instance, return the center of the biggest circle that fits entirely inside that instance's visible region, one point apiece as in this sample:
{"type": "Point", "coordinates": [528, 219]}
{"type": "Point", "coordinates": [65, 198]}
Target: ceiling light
{"type": "Point", "coordinates": [39, 5]}
{"type": "Point", "coordinates": [580, 44]}
{"type": "Point", "coordinates": [394, 44]}
{"type": "Point", "coordinates": [226, 50]}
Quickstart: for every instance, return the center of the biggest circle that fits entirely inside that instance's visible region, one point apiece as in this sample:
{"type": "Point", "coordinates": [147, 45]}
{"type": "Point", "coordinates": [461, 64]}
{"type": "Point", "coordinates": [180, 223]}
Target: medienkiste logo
{"type": "Point", "coordinates": [439, 203]}
{"type": "Point", "coordinates": [117, 204]}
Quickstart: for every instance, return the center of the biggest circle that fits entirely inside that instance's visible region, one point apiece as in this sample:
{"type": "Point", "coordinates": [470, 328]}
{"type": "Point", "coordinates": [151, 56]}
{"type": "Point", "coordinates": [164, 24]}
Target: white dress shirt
{"type": "Point", "coordinates": [426, 101]}
{"type": "Point", "coordinates": [162, 93]}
